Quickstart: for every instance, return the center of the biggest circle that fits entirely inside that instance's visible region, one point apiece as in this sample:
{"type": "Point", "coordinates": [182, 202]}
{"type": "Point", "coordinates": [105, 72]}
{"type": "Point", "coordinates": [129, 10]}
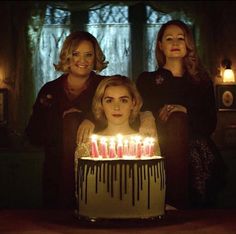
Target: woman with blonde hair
{"type": "Point", "coordinates": [109, 95]}
{"type": "Point", "coordinates": [116, 107]}
{"type": "Point", "coordinates": [62, 107]}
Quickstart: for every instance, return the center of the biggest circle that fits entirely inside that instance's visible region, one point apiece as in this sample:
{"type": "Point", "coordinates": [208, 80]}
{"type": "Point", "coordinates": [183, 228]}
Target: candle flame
{"type": "Point", "coordinates": [119, 145]}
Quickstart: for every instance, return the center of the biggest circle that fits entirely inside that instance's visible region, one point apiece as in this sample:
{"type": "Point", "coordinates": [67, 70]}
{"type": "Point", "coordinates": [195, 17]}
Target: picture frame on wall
{"type": "Point", "coordinates": [226, 97]}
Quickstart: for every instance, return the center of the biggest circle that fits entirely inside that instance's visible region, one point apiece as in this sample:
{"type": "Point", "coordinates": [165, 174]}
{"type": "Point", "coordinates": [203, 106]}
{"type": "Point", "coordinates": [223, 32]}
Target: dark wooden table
{"type": "Point", "coordinates": [215, 221]}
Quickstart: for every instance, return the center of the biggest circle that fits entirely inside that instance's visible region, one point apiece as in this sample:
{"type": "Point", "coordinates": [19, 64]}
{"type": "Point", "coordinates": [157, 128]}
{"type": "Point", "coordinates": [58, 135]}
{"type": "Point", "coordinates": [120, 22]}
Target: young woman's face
{"type": "Point", "coordinates": [83, 59]}
{"type": "Point", "coordinates": [173, 42]}
{"type": "Point", "coordinates": [117, 104]}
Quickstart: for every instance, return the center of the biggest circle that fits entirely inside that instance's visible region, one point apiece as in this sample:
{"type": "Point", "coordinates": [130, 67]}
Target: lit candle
{"type": "Point", "coordinates": [126, 149]}
{"type": "Point", "coordinates": [119, 146]}
{"type": "Point", "coordinates": [132, 147]}
{"type": "Point", "coordinates": [151, 146]}
{"type": "Point", "coordinates": [103, 147]}
{"type": "Point", "coordinates": [146, 150]}
{"type": "Point", "coordinates": [112, 148]}
{"type": "Point", "coordinates": [95, 152]}
{"type": "Point", "coordinates": [138, 146]}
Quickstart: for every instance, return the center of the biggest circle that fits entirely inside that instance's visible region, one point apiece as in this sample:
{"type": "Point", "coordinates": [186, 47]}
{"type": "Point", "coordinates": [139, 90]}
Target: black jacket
{"type": "Point", "coordinates": [45, 124]}
{"type": "Point", "coordinates": [160, 87]}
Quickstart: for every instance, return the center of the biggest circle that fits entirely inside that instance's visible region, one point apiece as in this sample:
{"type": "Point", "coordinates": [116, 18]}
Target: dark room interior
{"type": "Point", "coordinates": [30, 29]}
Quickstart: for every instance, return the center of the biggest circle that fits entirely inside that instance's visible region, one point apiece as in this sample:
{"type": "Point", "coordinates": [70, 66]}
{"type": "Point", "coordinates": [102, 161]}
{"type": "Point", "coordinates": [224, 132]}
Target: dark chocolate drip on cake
{"type": "Point", "coordinates": [125, 178]}
{"type": "Point", "coordinates": [108, 173]}
{"type": "Point", "coordinates": [115, 172]}
{"type": "Point", "coordinates": [162, 171]}
{"type": "Point", "coordinates": [144, 172]}
{"type": "Point", "coordinates": [141, 169]}
{"type": "Point", "coordinates": [100, 172]}
{"type": "Point", "coordinates": [158, 170]}
{"type": "Point", "coordinates": [129, 171]}
{"type": "Point", "coordinates": [104, 173]}
{"type": "Point", "coordinates": [138, 181]}
{"type": "Point", "coordinates": [83, 173]}
{"type": "Point", "coordinates": [112, 180]}
{"type": "Point", "coordinates": [151, 169]}
{"type": "Point", "coordinates": [155, 174]}
{"type": "Point", "coordinates": [148, 190]}
{"type": "Point", "coordinates": [80, 178]}
{"type": "Point", "coordinates": [96, 178]}
{"type": "Point", "coordinates": [92, 169]}
{"type": "Point", "coordinates": [86, 184]}
{"type": "Point", "coordinates": [121, 184]}
{"type": "Point", "coordinates": [133, 184]}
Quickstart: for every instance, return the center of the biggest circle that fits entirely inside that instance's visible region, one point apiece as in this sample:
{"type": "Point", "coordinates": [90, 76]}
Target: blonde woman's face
{"type": "Point", "coordinates": [173, 42]}
{"type": "Point", "coordinates": [83, 59]}
{"type": "Point", "coordinates": [117, 104]}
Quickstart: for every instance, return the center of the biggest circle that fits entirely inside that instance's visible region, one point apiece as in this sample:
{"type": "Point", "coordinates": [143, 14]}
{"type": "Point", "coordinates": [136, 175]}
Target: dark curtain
{"type": "Point", "coordinates": [17, 47]}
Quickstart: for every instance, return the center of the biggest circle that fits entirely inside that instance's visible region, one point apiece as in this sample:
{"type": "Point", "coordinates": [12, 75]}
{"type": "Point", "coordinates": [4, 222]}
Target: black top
{"type": "Point", "coordinates": [45, 124]}
{"type": "Point", "coordinates": [161, 87]}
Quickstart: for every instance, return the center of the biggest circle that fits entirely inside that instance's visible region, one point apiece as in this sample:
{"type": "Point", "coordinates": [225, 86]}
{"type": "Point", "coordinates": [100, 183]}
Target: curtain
{"type": "Point", "coordinates": [15, 59]}
{"type": "Point", "coordinates": [22, 24]}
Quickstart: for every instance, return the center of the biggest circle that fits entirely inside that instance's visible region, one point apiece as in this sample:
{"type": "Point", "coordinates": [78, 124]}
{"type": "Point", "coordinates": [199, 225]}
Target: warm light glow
{"type": "Point", "coordinates": [228, 76]}
{"type": "Point", "coordinates": [1, 77]}
{"type": "Point", "coordinates": [119, 147]}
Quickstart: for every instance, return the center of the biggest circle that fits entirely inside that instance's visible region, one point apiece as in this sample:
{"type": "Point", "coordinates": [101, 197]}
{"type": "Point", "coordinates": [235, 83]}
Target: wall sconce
{"type": "Point", "coordinates": [227, 74]}
{"type": "Point", "coordinates": [1, 77]}
{"type": "Point", "coordinates": [226, 91]}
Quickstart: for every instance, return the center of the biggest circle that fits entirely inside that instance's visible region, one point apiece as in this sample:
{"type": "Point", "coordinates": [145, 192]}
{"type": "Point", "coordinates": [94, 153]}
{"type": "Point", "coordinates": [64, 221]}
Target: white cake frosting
{"type": "Point", "coordinates": [125, 184]}
{"type": "Point", "coordinates": [120, 189]}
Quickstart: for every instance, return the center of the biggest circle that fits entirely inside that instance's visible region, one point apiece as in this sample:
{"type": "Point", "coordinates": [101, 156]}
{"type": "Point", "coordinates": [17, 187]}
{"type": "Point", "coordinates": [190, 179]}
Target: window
{"type": "Point", "coordinates": [47, 45]}
{"type": "Point", "coordinates": [153, 23]}
{"type": "Point", "coordinates": [110, 25]}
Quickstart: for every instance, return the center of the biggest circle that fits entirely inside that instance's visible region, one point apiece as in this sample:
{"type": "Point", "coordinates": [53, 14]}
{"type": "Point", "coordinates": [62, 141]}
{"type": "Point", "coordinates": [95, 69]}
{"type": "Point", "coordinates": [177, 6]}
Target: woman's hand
{"type": "Point", "coordinates": [85, 130]}
{"type": "Point", "coordinates": [147, 124]}
{"type": "Point", "coordinates": [166, 111]}
{"type": "Point", "coordinates": [71, 110]}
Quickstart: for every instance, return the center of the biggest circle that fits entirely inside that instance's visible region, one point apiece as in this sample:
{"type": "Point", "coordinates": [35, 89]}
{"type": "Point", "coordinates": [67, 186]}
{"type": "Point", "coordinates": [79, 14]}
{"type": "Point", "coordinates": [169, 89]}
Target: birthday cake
{"type": "Point", "coordinates": [119, 179]}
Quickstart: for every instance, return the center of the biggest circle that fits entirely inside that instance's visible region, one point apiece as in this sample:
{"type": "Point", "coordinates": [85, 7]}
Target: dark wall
{"type": "Point", "coordinates": [214, 21]}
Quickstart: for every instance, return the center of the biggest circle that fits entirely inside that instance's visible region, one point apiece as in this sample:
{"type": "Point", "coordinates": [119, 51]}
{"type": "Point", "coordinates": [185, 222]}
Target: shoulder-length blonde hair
{"type": "Point", "coordinates": [191, 61]}
{"type": "Point", "coordinates": [116, 80]}
{"type": "Point", "coordinates": [71, 43]}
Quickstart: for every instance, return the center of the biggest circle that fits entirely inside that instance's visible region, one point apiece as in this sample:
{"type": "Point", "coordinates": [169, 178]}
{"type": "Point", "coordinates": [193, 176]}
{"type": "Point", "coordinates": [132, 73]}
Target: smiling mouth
{"type": "Point", "coordinates": [81, 66]}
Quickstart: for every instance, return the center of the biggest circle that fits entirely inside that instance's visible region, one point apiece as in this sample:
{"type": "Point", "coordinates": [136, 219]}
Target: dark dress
{"type": "Point", "coordinates": [205, 165]}
{"type": "Point", "coordinates": [57, 134]}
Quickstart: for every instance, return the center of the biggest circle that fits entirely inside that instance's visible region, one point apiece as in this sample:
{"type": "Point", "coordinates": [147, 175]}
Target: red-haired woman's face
{"type": "Point", "coordinates": [173, 43]}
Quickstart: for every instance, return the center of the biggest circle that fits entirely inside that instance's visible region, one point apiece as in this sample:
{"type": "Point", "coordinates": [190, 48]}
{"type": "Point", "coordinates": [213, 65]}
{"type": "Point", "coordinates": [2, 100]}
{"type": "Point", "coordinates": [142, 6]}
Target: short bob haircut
{"type": "Point", "coordinates": [71, 43]}
{"type": "Point", "coordinates": [191, 61]}
{"type": "Point", "coordinates": [116, 80]}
